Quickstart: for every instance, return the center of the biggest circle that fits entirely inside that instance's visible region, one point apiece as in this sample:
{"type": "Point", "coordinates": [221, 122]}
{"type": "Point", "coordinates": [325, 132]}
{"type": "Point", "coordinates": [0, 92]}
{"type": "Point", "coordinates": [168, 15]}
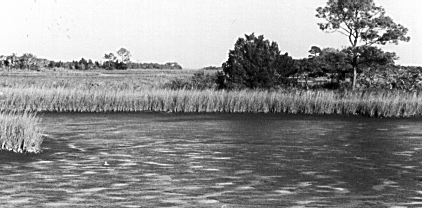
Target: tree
{"type": "Point", "coordinates": [97, 64]}
{"type": "Point", "coordinates": [315, 51]}
{"type": "Point", "coordinates": [51, 64]}
{"type": "Point", "coordinates": [90, 64]}
{"type": "Point", "coordinates": [124, 54]}
{"type": "Point", "coordinates": [83, 64]}
{"type": "Point", "coordinates": [372, 56]}
{"type": "Point", "coordinates": [285, 67]}
{"type": "Point", "coordinates": [310, 67]}
{"type": "Point", "coordinates": [363, 23]}
{"type": "Point", "coordinates": [254, 63]}
{"type": "Point", "coordinates": [27, 60]}
{"type": "Point", "coordinates": [335, 63]}
{"type": "Point", "coordinates": [110, 60]}
{"type": "Point", "coordinates": [110, 57]}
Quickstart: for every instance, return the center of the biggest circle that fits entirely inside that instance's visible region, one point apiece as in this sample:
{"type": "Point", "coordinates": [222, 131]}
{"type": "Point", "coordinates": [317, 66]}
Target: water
{"type": "Point", "coordinates": [217, 160]}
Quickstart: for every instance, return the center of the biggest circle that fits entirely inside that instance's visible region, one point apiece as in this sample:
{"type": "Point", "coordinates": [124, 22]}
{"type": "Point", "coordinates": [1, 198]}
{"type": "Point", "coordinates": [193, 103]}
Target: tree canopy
{"type": "Point", "coordinates": [255, 63]}
{"type": "Point", "coordinates": [363, 23]}
{"type": "Point", "coordinates": [124, 54]}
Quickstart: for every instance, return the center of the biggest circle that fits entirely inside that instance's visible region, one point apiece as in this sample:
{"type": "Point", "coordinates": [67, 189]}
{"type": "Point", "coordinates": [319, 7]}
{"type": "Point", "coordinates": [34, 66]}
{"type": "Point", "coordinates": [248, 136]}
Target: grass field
{"type": "Point", "coordinates": [114, 80]}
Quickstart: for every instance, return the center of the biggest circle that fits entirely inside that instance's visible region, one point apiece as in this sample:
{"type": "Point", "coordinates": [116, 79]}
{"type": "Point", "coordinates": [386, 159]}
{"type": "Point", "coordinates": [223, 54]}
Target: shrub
{"type": "Point", "coordinates": [255, 63]}
{"type": "Point", "coordinates": [392, 77]}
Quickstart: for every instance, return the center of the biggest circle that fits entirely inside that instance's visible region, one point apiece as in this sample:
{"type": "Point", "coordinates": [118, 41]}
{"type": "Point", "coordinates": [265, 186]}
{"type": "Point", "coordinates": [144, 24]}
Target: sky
{"type": "Point", "coordinates": [194, 33]}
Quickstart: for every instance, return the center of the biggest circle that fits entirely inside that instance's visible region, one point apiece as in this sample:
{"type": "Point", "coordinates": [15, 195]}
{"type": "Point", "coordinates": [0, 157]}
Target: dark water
{"type": "Point", "coordinates": [217, 160]}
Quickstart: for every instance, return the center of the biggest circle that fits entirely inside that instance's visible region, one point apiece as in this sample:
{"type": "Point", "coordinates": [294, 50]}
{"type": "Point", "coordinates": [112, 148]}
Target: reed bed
{"type": "Point", "coordinates": [19, 132]}
{"type": "Point", "coordinates": [373, 104]}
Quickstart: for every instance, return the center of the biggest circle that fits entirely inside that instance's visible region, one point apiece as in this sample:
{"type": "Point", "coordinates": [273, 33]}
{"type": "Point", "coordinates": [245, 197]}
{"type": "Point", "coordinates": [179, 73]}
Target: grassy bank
{"type": "Point", "coordinates": [373, 104]}
{"type": "Point", "coordinates": [19, 132]}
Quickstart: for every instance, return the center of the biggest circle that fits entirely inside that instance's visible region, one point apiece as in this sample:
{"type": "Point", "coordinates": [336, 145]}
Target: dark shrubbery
{"type": "Point", "coordinates": [255, 63]}
{"type": "Point", "coordinates": [406, 78]}
{"type": "Point", "coordinates": [169, 65]}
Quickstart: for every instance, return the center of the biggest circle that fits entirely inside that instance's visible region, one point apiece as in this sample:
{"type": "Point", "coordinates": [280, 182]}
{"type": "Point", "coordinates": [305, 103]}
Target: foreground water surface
{"type": "Point", "coordinates": [217, 160]}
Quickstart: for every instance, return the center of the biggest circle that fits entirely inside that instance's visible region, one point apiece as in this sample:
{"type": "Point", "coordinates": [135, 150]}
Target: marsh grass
{"type": "Point", "coordinates": [373, 104]}
{"type": "Point", "coordinates": [87, 80]}
{"type": "Point", "coordinates": [19, 132]}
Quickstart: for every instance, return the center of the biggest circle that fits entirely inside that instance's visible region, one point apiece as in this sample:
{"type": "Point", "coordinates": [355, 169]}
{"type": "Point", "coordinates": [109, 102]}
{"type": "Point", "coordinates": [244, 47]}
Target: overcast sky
{"type": "Point", "coordinates": [194, 33]}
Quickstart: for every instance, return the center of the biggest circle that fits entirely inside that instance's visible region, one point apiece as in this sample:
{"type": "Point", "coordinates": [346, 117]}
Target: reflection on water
{"type": "Point", "coordinates": [217, 160]}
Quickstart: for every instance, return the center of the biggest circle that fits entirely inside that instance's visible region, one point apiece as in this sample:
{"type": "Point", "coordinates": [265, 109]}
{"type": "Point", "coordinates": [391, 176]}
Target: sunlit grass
{"type": "Point", "coordinates": [373, 104]}
{"type": "Point", "coordinates": [19, 132]}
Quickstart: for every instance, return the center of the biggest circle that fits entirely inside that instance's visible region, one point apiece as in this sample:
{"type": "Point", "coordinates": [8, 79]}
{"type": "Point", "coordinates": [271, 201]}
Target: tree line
{"type": "Point", "coordinates": [257, 63]}
{"type": "Point", "coordinates": [119, 61]}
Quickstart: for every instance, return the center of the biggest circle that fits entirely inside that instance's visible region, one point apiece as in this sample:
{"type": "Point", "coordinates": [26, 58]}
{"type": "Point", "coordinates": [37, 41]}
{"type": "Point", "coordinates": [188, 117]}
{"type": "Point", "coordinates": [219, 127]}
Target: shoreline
{"type": "Point", "coordinates": [282, 116]}
{"type": "Point", "coordinates": [58, 100]}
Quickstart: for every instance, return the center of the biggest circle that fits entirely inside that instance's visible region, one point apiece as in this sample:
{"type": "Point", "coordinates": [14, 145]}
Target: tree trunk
{"type": "Point", "coordinates": [355, 69]}
{"type": "Point", "coordinates": [354, 78]}
{"type": "Point", "coordinates": [306, 83]}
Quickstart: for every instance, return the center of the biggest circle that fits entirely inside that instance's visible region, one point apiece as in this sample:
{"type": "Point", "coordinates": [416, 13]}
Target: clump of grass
{"type": "Point", "coordinates": [20, 132]}
{"type": "Point", "coordinates": [373, 104]}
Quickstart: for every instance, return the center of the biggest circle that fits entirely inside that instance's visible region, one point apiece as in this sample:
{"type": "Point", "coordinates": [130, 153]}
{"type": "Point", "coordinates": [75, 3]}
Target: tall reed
{"type": "Point", "coordinates": [373, 104]}
{"type": "Point", "coordinates": [19, 132]}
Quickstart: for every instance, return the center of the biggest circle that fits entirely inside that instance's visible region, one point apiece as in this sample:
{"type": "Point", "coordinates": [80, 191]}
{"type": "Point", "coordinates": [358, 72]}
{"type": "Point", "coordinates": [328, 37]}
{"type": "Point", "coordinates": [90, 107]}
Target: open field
{"type": "Point", "coordinates": [20, 132]}
{"type": "Point", "coordinates": [123, 79]}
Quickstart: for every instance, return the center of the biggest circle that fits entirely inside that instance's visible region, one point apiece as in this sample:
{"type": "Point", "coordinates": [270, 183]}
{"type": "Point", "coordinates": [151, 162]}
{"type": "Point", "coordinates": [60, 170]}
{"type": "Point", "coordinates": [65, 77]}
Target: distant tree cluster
{"type": "Point", "coordinates": [82, 64]}
{"type": "Point", "coordinates": [120, 61]}
{"type": "Point", "coordinates": [26, 61]}
{"type": "Point", "coordinates": [169, 65]}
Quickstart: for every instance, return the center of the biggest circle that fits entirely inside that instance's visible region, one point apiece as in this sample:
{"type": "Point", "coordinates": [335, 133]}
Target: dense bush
{"type": "Point", "coordinates": [391, 77]}
{"type": "Point", "coordinates": [333, 68]}
{"type": "Point", "coordinates": [255, 63]}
